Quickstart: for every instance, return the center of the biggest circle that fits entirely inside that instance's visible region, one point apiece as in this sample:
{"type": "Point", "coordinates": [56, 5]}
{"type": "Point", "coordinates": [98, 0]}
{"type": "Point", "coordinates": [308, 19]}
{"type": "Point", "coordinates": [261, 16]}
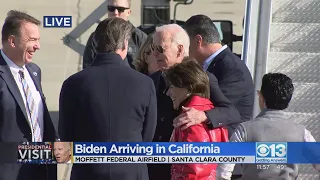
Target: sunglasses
{"type": "Point", "coordinates": [119, 8]}
{"type": "Point", "coordinates": [157, 48]}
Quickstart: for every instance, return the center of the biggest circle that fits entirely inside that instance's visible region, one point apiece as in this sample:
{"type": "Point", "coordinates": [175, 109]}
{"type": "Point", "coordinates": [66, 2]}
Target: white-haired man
{"type": "Point", "coordinates": [62, 152]}
{"type": "Point", "coordinates": [170, 46]}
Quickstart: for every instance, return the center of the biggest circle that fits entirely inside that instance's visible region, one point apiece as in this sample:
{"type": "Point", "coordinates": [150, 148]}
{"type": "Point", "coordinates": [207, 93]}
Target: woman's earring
{"type": "Point", "coordinates": [188, 94]}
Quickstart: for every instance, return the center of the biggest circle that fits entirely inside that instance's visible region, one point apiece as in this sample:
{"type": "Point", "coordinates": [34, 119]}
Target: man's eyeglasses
{"type": "Point", "coordinates": [119, 8]}
{"type": "Point", "coordinates": [157, 48]}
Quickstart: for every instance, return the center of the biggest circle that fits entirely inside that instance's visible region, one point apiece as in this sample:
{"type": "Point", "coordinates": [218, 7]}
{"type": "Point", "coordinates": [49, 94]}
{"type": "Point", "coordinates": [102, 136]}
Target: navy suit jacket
{"type": "Point", "coordinates": [235, 82]}
{"type": "Point", "coordinates": [108, 102]}
{"type": "Point", "coordinates": [14, 125]}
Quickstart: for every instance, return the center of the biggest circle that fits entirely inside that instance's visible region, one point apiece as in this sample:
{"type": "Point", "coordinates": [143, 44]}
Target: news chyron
{"type": "Point", "coordinates": [57, 21]}
{"type": "Point", "coordinates": [44, 152]}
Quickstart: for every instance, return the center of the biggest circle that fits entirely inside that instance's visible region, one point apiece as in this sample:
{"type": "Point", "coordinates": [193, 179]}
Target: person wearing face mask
{"type": "Point", "coordinates": [189, 87]}
{"type": "Point", "coordinates": [120, 9]}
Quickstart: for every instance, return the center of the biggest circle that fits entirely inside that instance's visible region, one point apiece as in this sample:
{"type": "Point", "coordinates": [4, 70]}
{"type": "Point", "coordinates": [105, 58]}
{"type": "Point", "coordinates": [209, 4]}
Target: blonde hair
{"type": "Point", "coordinates": [140, 61]}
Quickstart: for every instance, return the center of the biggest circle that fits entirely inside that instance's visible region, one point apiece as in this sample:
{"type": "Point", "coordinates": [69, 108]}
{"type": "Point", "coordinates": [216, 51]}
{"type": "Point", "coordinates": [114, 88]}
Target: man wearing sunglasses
{"type": "Point", "coordinates": [120, 9]}
{"type": "Point", "coordinates": [170, 46]}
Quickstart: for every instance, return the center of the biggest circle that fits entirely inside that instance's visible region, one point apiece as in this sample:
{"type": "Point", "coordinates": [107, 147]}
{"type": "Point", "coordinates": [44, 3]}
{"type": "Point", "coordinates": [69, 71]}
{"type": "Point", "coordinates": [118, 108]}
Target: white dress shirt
{"type": "Point", "coordinates": [224, 171]}
{"type": "Point", "coordinates": [209, 60]}
{"type": "Point", "coordinates": [35, 93]}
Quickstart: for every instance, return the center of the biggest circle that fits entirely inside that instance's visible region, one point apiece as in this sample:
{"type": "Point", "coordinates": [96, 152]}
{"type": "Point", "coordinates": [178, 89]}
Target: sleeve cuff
{"type": "Point", "coordinates": [211, 124]}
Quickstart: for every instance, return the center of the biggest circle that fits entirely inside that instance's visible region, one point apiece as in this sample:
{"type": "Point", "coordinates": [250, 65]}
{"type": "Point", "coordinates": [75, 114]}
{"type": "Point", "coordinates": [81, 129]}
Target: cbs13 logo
{"type": "Point", "coordinates": [271, 150]}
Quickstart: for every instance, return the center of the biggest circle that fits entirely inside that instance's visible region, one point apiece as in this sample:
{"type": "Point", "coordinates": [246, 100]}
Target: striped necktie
{"type": "Point", "coordinates": [31, 108]}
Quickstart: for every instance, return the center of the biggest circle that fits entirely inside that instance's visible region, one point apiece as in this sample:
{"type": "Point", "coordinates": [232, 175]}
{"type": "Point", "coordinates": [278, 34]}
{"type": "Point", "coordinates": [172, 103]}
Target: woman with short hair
{"type": "Point", "coordinates": [189, 87]}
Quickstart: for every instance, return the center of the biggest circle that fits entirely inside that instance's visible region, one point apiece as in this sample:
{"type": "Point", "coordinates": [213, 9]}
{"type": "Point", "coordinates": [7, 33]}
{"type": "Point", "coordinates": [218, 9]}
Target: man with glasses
{"type": "Point", "coordinates": [120, 9]}
{"type": "Point", "coordinates": [170, 46]}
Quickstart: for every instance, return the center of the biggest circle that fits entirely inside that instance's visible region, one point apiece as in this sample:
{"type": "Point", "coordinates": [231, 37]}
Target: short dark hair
{"type": "Point", "coordinates": [190, 75]}
{"type": "Point", "coordinates": [202, 25]}
{"type": "Point", "coordinates": [277, 90]}
{"type": "Point", "coordinates": [13, 22]}
{"type": "Point", "coordinates": [111, 34]}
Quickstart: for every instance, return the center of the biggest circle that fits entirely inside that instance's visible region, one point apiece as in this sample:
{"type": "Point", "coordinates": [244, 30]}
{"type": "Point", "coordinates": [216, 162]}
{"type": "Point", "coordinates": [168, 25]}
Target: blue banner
{"type": "Point", "coordinates": [162, 149]}
{"type": "Point", "coordinates": [304, 153]}
{"type": "Point", "coordinates": [266, 152]}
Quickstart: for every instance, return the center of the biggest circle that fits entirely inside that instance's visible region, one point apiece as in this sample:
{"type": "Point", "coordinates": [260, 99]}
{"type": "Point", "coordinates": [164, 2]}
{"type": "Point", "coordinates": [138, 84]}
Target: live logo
{"type": "Point", "coordinates": [57, 21]}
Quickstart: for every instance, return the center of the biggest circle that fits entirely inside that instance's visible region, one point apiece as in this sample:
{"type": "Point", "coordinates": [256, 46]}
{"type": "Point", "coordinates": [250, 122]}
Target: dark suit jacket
{"type": "Point", "coordinates": [108, 102]}
{"type": "Point", "coordinates": [14, 126]}
{"type": "Point", "coordinates": [224, 111]}
{"type": "Point", "coordinates": [236, 83]}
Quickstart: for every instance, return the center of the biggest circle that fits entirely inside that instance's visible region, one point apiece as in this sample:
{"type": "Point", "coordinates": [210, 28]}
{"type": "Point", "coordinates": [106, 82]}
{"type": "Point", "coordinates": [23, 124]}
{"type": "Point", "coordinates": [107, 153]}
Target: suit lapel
{"type": "Point", "coordinates": [217, 59]}
{"type": "Point", "coordinates": [33, 75]}
{"type": "Point", "coordinates": [156, 77]}
{"type": "Point", "coordinates": [7, 76]}
{"type": "Point", "coordinates": [211, 67]}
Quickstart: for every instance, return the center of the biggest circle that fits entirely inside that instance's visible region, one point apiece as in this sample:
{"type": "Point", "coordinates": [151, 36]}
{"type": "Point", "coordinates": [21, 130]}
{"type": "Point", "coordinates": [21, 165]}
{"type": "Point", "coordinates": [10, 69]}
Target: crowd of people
{"type": "Point", "coordinates": [179, 84]}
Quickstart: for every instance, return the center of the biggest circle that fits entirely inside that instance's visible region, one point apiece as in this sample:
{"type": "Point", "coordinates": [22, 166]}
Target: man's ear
{"type": "Point", "coordinates": [199, 40]}
{"type": "Point", "coordinates": [12, 40]}
{"type": "Point", "coordinates": [125, 45]}
{"type": "Point", "coordinates": [129, 12]}
{"type": "Point", "coordinates": [180, 50]}
{"type": "Point", "coordinates": [262, 102]}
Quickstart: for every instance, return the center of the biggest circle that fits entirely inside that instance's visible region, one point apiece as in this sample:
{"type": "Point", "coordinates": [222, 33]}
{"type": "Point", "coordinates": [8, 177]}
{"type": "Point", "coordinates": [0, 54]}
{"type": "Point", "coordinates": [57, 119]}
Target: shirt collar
{"type": "Point", "coordinates": [208, 61]}
{"type": "Point", "coordinates": [15, 68]}
{"type": "Point", "coordinates": [267, 111]}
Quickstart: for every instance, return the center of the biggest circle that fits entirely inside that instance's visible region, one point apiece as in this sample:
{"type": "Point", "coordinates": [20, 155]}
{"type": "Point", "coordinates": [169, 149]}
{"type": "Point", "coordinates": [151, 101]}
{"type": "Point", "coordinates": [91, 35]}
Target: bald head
{"type": "Point", "coordinates": [170, 45]}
